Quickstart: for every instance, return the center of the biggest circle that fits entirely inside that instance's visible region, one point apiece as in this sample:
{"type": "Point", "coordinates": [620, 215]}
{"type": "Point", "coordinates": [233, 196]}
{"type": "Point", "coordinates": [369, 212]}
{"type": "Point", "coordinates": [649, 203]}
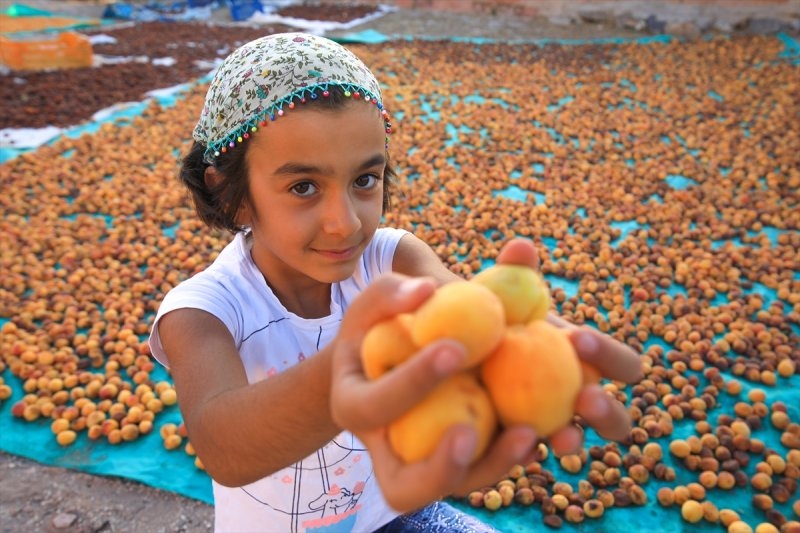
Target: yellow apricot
{"type": "Point", "coordinates": [534, 377]}
{"type": "Point", "coordinates": [522, 290]}
{"type": "Point", "coordinates": [589, 374]}
{"type": "Point", "coordinates": [467, 312]}
{"type": "Point", "coordinates": [458, 400]}
{"type": "Point", "coordinates": [386, 345]}
{"type": "Point", "coordinates": [67, 437]}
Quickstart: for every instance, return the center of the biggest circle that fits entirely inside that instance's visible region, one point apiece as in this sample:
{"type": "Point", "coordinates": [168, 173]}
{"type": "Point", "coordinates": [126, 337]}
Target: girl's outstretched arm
{"type": "Point", "coordinates": [243, 432]}
{"type": "Point", "coordinates": [366, 407]}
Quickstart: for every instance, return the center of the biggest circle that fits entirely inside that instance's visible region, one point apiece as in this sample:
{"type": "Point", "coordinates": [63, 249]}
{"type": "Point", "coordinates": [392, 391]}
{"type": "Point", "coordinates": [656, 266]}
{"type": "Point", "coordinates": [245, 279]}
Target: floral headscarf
{"type": "Point", "coordinates": [263, 78]}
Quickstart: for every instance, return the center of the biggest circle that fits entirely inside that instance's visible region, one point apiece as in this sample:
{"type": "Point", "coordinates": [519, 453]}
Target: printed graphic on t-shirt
{"type": "Point", "coordinates": [322, 491]}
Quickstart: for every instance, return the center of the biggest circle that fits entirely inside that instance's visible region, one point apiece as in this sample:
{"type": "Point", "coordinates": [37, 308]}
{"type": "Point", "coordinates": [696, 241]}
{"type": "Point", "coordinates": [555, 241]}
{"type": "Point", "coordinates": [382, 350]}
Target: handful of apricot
{"type": "Point", "coordinates": [520, 369]}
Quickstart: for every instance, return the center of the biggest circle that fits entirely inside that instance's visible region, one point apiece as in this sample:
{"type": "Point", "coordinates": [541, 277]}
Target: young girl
{"type": "Point", "coordinates": [290, 155]}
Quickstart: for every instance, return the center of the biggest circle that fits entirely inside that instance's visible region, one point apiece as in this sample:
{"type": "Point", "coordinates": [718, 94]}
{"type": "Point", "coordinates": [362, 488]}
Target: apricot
{"type": "Point", "coordinates": [386, 345]}
{"type": "Point", "coordinates": [534, 377]}
{"type": "Point", "coordinates": [522, 291]}
{"type": "Point", "coordinates": [467, 312]}
{"type": "Point", "coordinates": [589, 374]}
{"type": "Point", "coordinates": [459, 399]}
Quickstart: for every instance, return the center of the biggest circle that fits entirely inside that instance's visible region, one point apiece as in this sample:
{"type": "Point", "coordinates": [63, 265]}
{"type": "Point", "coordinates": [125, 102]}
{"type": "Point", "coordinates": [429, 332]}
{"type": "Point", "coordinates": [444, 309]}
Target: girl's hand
{"type": "Point", "coordinates": [367, 407]}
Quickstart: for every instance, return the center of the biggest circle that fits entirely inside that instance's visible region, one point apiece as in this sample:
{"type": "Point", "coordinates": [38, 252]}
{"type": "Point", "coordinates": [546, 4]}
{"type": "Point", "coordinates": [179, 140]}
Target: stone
{"type": "Point", "coordinates": [688, 30]}
{"type": "Point", "coordinates": [596, 16]}
{"type": "Point", "coordinates": [64, 520]}
{"type": "Point", "coordinates": [630, 22]}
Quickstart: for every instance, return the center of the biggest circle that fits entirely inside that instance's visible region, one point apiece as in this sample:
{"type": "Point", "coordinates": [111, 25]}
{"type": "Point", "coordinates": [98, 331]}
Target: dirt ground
{"type": "Point", "coordinates": [35, 497]}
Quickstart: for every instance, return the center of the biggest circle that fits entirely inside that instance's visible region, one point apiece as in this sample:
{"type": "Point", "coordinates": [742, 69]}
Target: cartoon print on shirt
{"type": "Point", "coordinates": [337, 501]}
{"type": "Point", "coordinates": [314, 499]}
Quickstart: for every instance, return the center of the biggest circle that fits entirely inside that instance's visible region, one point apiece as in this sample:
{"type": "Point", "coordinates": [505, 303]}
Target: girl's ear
{"type": "Point", "coordinates": [213, 178]}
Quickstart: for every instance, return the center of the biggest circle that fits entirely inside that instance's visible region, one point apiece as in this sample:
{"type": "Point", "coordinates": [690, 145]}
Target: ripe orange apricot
{"type": "Point", "coordinates": [386, 345]}
{"type": "Point", "coordinates": [467, 312]}
{"type": "Point", "coordinates": [590, 374]}
{"type": "Point", "coordinates": [459, 399]}
{"type": "Point", "coordinates": [534, 377]}
{"type": "Point", "coordinates": [522, 290]}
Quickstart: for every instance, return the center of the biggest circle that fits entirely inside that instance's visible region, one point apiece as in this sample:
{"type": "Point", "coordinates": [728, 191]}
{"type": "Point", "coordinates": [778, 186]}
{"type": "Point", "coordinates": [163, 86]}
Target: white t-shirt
{"type": "Point", "coordinates": [333, 489]}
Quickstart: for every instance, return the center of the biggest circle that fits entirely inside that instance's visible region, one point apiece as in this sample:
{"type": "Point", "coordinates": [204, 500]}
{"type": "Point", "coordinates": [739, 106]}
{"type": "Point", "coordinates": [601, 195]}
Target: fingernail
{"type": "Point", "coordinates": [464, 447]}
{"type": "Point", "coordinates": [525, 441]}
{"type": "Point", "coordinates": [448, 360]}
{"type": "Point", "coordinates": [586, 343]}
{"type": "Point", "coordinates": [600, 407]}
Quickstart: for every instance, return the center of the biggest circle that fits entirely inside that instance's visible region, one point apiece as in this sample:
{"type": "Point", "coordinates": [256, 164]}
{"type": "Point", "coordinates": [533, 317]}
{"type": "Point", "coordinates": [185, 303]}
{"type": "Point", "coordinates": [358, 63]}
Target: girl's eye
{"type": "Point", "coordinates": [305, 188]}
{"type": "Point", "coordinates": [367, 181]}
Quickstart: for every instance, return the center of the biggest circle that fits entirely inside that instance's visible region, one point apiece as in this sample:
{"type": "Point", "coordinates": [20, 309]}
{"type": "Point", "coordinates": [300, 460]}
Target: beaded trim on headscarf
{"type": "Point", "coordinates": [264, 78]}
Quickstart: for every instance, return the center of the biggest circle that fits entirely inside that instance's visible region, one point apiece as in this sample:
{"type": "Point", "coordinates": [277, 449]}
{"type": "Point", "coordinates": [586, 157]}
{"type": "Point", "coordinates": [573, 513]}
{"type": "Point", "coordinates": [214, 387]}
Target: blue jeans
{"type": "Point", "coordinates": [437, 517]}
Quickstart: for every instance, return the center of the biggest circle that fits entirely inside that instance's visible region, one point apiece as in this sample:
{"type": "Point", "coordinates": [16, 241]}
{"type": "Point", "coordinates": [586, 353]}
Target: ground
{"type": "Point", "coordinates": [34, 497]}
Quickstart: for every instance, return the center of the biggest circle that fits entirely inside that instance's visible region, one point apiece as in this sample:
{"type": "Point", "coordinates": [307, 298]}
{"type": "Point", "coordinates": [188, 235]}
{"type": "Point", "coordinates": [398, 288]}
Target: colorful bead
{"type": "Point", "coordinates": [302, 98]}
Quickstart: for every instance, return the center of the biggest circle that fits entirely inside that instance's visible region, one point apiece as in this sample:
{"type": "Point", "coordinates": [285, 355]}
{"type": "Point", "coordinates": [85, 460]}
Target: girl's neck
{"type": "Point", "coordinates": [315, 302]}
{"type": "Point", "coordinates": [305, 297]}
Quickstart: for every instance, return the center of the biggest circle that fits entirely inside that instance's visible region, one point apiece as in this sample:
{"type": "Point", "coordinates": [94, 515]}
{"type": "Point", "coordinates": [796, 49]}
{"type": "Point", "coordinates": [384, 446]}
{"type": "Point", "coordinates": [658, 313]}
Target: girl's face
{"type": "Point", "coordinates": [316, 184]}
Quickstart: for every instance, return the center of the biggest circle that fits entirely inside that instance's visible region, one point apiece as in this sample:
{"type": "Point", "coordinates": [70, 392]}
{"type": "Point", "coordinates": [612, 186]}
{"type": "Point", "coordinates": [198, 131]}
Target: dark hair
{"type": "Point", "coordinates": [217, 205]}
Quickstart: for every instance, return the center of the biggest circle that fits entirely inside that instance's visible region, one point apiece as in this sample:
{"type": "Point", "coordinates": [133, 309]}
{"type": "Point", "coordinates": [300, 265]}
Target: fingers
{"type": "Point", "coordinates": [519, 252]}
{"type": "Point", "coordinates": [378, 402]}
{"type": "Point", "coordinates": [388, 296]}
{"type": "Point", "coordinates": [560, 322]}
{"type": "Point", "coordinates": [445, 469]}
{"type": "Point", "coordinates": [605, 414]}
{"type": "Point", "coordinates": [514, 445]}
{"type": "Point", "coordinates": [610, 357]}
{"type": "Point", "coordinates": [566, 441]}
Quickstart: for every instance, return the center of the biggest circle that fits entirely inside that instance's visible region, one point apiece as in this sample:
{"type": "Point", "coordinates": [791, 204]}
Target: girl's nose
{"type": "Point", "coordinates": [340, 216]}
